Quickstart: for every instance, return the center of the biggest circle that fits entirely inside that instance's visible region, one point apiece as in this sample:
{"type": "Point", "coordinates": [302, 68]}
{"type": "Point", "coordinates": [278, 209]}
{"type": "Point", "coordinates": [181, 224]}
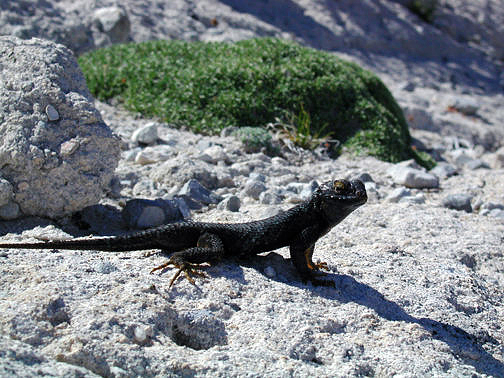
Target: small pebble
{"type": "Point", "coordinates": [147, 134]}
{"type": "Point", "coordinates": [254, 189]}
{"type": "Point", "coordinates": [458, 202]}
{"type": "Point", "coordinates": [52, 113]}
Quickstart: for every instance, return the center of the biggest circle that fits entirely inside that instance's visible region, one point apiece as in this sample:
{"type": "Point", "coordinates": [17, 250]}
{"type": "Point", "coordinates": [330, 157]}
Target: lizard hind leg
{"type": "Point", "coordinates": [209, 249]}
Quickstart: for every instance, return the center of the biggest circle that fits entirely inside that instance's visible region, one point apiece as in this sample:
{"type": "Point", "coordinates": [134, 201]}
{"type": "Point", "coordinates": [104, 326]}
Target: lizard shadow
{"type": "Point", "coordinates": [465, 346]}
{"type": "Point", "coordinates": [17, 226]}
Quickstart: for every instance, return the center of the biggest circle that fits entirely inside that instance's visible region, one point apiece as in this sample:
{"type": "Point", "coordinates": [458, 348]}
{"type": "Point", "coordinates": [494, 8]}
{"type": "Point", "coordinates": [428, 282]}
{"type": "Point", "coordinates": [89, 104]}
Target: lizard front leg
{"type": "Point", "coordinates": [209, 248]}
{"type": "Point", "coordinates": [301, 251]}
{"type": "Point", "coordinates": [308, 253]}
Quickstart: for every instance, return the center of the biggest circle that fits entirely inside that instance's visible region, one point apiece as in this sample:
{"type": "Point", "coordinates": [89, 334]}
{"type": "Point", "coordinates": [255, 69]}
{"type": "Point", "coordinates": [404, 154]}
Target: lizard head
{"type": "Point", "coordinates": [336, 199]}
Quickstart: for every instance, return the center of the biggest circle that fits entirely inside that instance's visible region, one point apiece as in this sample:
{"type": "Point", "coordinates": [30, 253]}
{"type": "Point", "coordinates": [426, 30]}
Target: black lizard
{"type": "Point", "coordinates": [195, 243]}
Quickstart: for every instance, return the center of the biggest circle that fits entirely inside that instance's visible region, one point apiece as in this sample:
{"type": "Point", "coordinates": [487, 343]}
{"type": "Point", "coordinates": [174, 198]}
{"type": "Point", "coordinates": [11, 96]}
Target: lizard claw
{"type": "Point", "coordinates": [188, 269]}
{"type": "Point", "coordinates": [315, 267]}
{"type": "Point", "coordinates": [162, 266]}
{"type": "Point", "coordinates": [321, 265]}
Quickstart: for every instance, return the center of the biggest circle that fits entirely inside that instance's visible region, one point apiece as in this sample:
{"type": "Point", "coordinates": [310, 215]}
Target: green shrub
{"type": "Point", "coordinates": [208, 86]}
{"type": "Point", "coordinates": [254, 139]}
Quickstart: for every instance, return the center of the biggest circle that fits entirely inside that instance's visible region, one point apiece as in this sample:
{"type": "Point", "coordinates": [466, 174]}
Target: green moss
{"type": "Point", "coordinates": [209, 86]}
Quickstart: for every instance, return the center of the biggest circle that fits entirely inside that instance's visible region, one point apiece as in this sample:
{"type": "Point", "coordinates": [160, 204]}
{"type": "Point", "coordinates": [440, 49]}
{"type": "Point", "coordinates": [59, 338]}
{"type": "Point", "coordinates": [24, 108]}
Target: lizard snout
{"type": "Point", "coordinates": [360, 191]}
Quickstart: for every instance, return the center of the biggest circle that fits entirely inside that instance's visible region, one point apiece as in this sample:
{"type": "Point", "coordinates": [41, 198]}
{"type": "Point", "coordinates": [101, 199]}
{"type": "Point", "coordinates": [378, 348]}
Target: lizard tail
{"type": "Point", "coordinates": [105, 244]}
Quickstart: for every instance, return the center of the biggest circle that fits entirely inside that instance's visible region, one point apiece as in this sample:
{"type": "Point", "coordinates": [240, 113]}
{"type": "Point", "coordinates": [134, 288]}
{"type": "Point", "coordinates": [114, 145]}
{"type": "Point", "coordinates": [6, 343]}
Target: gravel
{"type": "Point", "coordinates": [418, 286]}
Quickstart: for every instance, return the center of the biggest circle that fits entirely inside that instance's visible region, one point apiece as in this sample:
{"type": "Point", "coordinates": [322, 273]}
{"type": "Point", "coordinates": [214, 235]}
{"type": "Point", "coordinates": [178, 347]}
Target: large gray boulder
{"type": "Point", "coordinates": [55, 150]}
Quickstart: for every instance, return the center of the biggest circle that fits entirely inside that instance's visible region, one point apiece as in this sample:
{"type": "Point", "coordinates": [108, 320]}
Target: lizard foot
{"type": "Point", "coordinates": [318, 266]}
{"type": "Point", "coordinates": [188, 269]}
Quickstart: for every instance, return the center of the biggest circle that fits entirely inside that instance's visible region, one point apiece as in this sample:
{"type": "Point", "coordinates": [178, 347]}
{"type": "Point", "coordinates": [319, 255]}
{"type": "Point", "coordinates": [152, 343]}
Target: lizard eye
{"type": "Point", "coordinates": [339, 185]}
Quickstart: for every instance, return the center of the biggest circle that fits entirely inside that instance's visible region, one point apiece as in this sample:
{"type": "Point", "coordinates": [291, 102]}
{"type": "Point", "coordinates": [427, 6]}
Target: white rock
{"type": "Point", "coordinates": [214, 154]}
{"type": "Point", "coordinates": [269, 198]}
{"type": "Point", "coordinates": [130, 155]}
{"type": "Point", "coordinates": [443, 170]}
{"type": "Point", "coordinates": [147, 134]}
{"type": "Point", "coordinates": [254, 189]}
{"type": "Point", "coordinates": [143, 333]}
{"type": "Point", "coordinates": [497, 158]}
{"type": "Point", "coordinates": [151, 216]}
{"type": "Point", "coordinates": [492, 205]}
{"type": "Point", "coordinates": [397, 194]}
{"type": "Point", "coordinates": [230, 203]}
{"type": "Point", "coordinates": [419, 198]}
{"type": "Point", "coordinates": [114, 23]}
{"type": "Point", "coordinates": [51, 178]}
{"type": "Point", "coordinates": [497, 213]}
{"type": "Point", "coordinates": [412, 178]}
{"type": "Point", "coordinates": [154, 154]}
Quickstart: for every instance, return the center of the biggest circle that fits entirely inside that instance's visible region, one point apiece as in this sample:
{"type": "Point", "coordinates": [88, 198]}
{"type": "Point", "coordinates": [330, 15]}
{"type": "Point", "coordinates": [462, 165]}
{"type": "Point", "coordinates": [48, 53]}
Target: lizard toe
{"type": "Point", "coordinates": [189, 270]}
{"type": "Point", "coordinates": [322, 265]}
{"type": "Point", "coordinates": [163, 266]}
{"type": "Point", "coordinates": [317, 266]}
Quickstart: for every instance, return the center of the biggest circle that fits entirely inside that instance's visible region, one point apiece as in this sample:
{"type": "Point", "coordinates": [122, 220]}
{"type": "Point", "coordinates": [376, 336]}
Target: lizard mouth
{"type": "Point", "coordinates": [360, 191]}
